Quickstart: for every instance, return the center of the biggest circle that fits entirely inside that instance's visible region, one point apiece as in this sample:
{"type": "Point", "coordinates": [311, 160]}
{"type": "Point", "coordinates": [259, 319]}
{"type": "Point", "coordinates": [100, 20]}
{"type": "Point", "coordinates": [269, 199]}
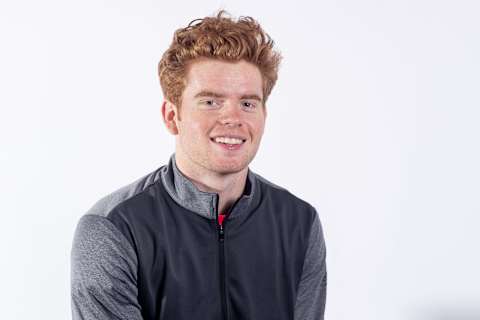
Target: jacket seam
{"type": "Point", "coordinates": [306, 248]}
{"type": "Point", "coordinates": [145, 189]}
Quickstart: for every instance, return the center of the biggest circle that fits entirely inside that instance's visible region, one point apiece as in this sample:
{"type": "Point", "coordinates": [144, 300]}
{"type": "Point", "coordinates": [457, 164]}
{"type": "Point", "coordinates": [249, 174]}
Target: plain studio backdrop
{"type": "Point", "coordinates": [375, 120]}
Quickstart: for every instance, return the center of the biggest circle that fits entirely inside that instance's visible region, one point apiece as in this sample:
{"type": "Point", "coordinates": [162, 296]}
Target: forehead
{"type": "Point", "coordinates": [226, 78]}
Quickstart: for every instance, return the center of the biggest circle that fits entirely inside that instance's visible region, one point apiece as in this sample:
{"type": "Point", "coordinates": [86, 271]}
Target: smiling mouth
{"type": "Point", "coordinates": [229, 144]}
{"type": "Point", "coordinates": [228, 140]}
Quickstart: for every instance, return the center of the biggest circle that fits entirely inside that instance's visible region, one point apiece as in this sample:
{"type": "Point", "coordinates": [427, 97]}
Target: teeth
{"type": "Point", "coordinates": [228, 140]}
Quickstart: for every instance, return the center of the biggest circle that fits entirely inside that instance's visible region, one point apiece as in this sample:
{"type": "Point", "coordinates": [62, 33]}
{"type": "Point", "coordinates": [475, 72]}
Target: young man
{"type": "Point", "coordinates": [204, 237]}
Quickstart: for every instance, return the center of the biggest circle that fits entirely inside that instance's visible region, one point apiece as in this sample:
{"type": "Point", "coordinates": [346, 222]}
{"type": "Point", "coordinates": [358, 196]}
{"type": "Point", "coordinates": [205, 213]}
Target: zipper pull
{"type": "Point", "coordinates": [221, 232]}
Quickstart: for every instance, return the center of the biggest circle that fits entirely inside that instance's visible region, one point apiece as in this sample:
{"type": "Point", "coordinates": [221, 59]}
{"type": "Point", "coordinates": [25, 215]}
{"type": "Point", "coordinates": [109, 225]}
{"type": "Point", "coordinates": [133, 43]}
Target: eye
{"type": "Point", "coordinates": [249, 105]}
{"type": "Point", "coordinates": [209, 102]}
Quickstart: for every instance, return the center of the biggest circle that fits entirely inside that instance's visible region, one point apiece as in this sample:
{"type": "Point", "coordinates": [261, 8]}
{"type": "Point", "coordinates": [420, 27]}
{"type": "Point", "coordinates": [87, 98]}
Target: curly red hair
{"type": "Point", "coordinates": [218, 37]}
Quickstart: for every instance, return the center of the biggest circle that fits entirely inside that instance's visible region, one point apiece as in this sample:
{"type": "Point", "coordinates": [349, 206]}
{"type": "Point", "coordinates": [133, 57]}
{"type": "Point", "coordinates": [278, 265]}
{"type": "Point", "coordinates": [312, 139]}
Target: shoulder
{"type": "Point", "coordinates": [106, 204]}
{"type": "Point", "coordinates": [284, 197]}
{"type": "Point", "coordinates": [105, 219]}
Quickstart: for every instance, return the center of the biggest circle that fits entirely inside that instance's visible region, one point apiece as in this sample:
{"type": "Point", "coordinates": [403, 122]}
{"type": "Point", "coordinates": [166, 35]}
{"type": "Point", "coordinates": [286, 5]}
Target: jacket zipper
{"type": "Point", "coordinates": [221, 240]}
{"type": "Point", "coordinates": [221, 245]}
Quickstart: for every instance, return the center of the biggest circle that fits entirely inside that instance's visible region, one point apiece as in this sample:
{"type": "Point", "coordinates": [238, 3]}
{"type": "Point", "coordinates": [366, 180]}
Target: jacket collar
{"type": "Point", "coordinates": [187, 195]}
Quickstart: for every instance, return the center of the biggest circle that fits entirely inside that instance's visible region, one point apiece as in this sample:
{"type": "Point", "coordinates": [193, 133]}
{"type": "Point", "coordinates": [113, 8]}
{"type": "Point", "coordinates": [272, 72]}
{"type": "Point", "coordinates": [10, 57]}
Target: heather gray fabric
{"type": "Point", "coordinates": [103, 274]}
{"type": "Point", "coordinates": [312, 291]}
{"type": "Point", "coordinates": [104, 264]}
{"type": "Point", "coordinates": [187, 195]}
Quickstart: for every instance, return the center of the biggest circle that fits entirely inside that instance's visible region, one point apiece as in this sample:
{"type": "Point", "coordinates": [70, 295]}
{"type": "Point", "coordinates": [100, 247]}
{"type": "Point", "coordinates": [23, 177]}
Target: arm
{"type": "Point", "coordinates": [312, 290]}
{"type": "Point", "coordinates": [103, 272]}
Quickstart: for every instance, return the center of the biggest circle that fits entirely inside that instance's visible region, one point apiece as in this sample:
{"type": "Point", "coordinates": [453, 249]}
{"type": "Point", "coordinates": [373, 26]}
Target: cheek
{"type": "Point", "coordinates": [198, 129]}
{"type": "Point", "coordinates": [258, 126]}
{"type": "Point", "coordinates": [195, 129]}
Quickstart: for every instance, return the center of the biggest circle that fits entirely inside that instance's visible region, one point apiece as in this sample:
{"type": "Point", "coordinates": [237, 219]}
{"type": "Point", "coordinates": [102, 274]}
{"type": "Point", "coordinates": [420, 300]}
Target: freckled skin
{"type": "Point", "coordinates": [200, 121]}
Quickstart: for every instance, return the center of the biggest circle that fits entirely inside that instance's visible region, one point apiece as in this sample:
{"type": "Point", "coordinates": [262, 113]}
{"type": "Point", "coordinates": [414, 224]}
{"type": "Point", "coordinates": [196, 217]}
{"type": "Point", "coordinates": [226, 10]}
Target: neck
{"type": "Point", "coordinates": [228, 186]}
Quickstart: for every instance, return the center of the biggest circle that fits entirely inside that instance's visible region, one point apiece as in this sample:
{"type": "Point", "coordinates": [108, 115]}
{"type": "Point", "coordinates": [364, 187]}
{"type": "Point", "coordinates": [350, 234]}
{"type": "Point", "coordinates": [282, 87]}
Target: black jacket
{"type": "Point", "coordinates": [154, 249]}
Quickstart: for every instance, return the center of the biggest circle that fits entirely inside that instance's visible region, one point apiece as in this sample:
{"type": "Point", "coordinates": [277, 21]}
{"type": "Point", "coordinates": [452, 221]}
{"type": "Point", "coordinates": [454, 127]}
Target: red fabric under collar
{"type": "Point", "coordinates": [221, 217]}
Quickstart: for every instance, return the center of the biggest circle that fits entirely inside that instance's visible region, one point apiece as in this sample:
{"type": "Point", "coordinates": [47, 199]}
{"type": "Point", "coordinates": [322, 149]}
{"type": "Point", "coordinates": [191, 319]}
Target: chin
{"type": "Point", "coordinates": [225, 167]}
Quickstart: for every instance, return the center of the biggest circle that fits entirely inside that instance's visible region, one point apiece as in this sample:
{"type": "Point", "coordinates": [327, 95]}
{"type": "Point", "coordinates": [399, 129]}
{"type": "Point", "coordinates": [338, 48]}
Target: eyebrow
{"type": "Point", "coordinates": [206, 93]}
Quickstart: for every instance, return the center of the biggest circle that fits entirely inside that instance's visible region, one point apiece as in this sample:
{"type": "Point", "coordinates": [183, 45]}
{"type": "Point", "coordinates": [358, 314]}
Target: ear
{"type": "Point", "coordinates": [170, 116]}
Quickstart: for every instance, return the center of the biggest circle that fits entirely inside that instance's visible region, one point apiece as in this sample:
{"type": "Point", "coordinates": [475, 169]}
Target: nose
{"type": "Point", "coordinates": [231, 115]}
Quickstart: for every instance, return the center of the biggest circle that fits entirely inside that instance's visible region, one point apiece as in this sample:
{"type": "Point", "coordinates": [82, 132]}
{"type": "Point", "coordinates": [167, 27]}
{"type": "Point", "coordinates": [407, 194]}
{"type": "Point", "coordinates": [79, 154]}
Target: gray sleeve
{"type": "Point", "coordinates": [103, 272]}
{"type": "Point", "coordinates": [312, 290]}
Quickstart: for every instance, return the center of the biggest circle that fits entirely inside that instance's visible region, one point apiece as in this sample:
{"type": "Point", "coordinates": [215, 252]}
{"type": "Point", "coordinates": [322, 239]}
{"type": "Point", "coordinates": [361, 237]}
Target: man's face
{"type": "Point", "coordinates": [222, 116]}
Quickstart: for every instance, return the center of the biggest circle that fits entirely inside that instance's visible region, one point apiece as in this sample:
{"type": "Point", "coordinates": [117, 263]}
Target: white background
{"type": "Point", "coordinates": [374, 120]}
